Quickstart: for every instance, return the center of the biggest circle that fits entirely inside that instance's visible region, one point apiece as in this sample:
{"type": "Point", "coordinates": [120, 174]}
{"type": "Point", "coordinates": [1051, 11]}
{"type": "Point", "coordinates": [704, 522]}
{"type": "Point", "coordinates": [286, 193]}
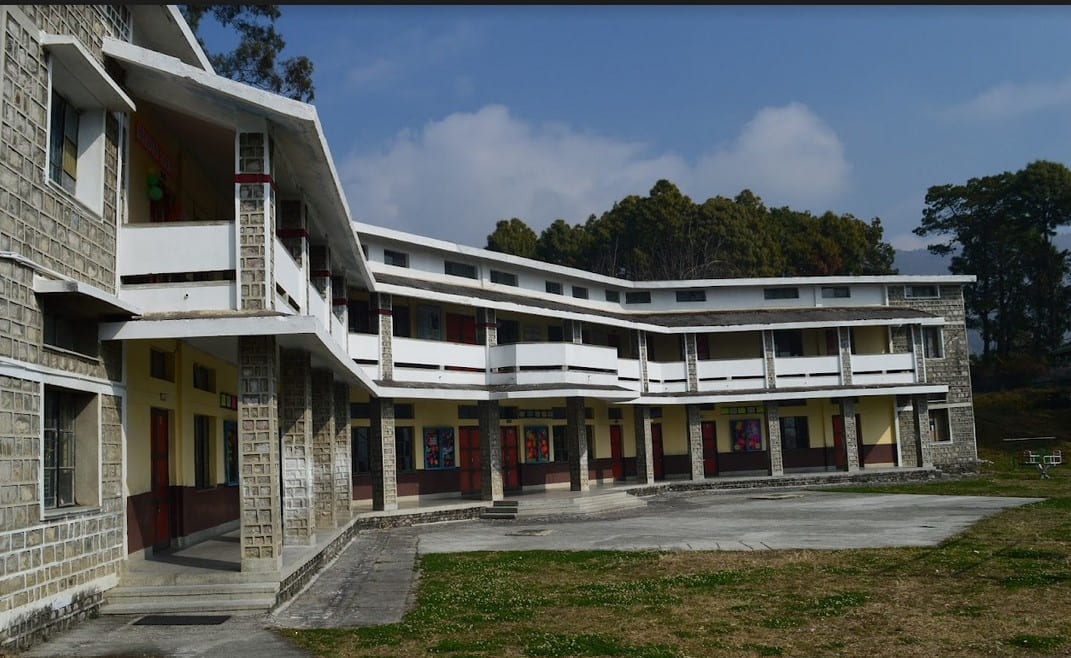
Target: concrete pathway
{"type": "Point", "coordinates": [371, 581]}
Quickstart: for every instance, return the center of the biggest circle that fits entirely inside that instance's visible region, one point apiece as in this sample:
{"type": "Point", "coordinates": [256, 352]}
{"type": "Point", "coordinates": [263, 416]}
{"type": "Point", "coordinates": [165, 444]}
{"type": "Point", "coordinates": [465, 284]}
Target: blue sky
{"type": "Point", "coordinates": [443, 120]}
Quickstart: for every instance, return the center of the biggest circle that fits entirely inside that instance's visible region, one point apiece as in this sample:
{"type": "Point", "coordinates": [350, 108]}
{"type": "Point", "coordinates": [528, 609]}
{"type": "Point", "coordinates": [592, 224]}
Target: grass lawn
{"type": "Point", "coordinates": [1003, 587]}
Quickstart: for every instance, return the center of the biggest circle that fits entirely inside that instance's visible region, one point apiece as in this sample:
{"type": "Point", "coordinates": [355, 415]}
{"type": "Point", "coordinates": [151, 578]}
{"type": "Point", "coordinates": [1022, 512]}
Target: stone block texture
{"type": "Point", "coordinates": [773, 437]}
{"type": "Point", "coordinates": [576, 437]}
{"type": "Point", "coordinates": [386, 333]}
{"type": "Point", "coordinates": [323, 447]}
{"type": "Point", "coordinates": [258, 454]}
{"type": "Point", "coordinates": [695, 440]}
{"type": "Point", "coordinates": [641, 417]}
{"type": "Point", "coordinates": [381, 449]}
{"type": "Point", "coordinates": [851, 431]}
{"type": "Point", "coordinates": [256, 223]}
{"type": "Point", "coordinates": [490, 450]}
{"type": "Point", "coordinates": [295, 422]}
{"type": "Point", "coordinates": [691, 357]}
{"type": "Point", "coordinates": [343, 464]}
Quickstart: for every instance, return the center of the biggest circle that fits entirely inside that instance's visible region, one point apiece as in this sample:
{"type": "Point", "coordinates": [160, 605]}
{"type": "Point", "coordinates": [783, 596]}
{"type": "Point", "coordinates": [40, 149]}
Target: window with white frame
{"type": "Point", "coordinates": [933, 345]}
{"type": "Point", "coordinates": [922, 292]}
{"type": "Point", "coordinates": [940, 426]}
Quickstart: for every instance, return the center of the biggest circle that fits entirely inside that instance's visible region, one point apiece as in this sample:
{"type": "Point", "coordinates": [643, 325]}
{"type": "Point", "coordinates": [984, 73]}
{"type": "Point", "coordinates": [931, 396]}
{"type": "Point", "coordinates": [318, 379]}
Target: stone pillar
{"type": "Point", "coordinates": [490, 450]}
{"type": "Point", "coordinates": [691, 359]}
{"type": "Point", "coordinates": [641, 355]}
{"type": "Point", "coordinates": [255, 192]}
{"type": "Point", "coordinates": [907, 437]}
{"type": "Point", "coordinates": [258, 454]}
{"type": "Point", "coordinates": [918, 350]}
{"type": "Point", "coordinates": [323, 447]}
{"type": "Point", "coordinates": [924, 440]}
{"type": "Point", "coordinates": [576, 438]}
{"type": "Point", "coordinates": [844, 342]}
{"type": "Point", "coordinates": [320, 274]}
{"type": "Point", "coordinates": [295, 421]}
{"type": "Point", "coordinates": [644, 447]}
{"type": "Point", "coordinates": [769, 353]}
{"type": "Point", "coordinates": [386, 334]}
{"type": "Point", "coordinates": [343, 486]}
{"type": "Point", "coordinates": [773, 438]}
{"type": "Point", "coordinates": [695, 439]}
{"type": "Point", "coordinates": [486, 319]}
{"type": "Point", "coordinates": [381, 454]}
{"type": "Point", "coordinates": [574, 332]}
{"type": "Point", "coordinates": [851, 431]}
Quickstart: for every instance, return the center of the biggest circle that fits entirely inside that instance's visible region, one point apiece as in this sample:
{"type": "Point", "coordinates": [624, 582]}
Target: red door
{"type": "Point", "coordinates": [511, 477]}
{"type": "Point", "coordinates": [710, 447]}
{"type": "Point", "coordinates": [469, 464]}
{"type": "Point", "coordinates": [656, 449]}
{"type": "Point", "coordinates": [840, 458]}
{"type": "Point", "coordinates": [859, 440]}
{"type": "Point", "coordinates": [617, 456]}
{"type": "Point", "coordinates": [160, 480]}
{"type": "Point", "coordinates": [460, 328]}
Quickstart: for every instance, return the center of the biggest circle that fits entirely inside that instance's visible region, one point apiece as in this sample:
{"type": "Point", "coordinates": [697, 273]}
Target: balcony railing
{"type": "Point", "coordinates": [667, 376]}
{"type": "Point", "coordinates": [883, 369]}
{"type": "Point", "coordinates": [317, 306]}
{"type": "Point", "coordinates": [731, 374]}
{"type": "Point", "coordinates": [289, 276]}
{"type": "Point", "coordinates": [553, 363]}
{"type": "Point", "coordinates": [439, 362]}
{"type": "Point", "coordinates": [795, 371]}
{"type": "Point", "coordinates": [176, 247]}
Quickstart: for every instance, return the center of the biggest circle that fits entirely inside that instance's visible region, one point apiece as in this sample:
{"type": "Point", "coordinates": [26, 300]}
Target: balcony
{"type": "Point", "coordinates": [883, 369]}
{"type": "Point", "coordinates": [439, 362]}
{"type": "Point", "coordinates": [176, 247]}
{"type": "Point", "coordinates": [527, 364]}
{"type": "Point", "coordinates": [667, 376]}
{"type": "Point", "coordinates": [801, 371]}
{"type": "Point", "coordinates": [290, 277]}
{"type": "Point", "coordinates": [731, 374]}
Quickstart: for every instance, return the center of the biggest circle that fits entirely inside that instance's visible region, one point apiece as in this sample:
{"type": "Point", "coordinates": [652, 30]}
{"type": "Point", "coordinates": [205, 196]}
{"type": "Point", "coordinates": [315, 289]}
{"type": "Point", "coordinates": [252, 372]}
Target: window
{"type": "Point", "coordinates": [589, 431]}
{"type": "Point", "coordinates": [63, 143]}
{"type": "Point", "coordinates": [395, 258]}
{"type": "Point", "coordinates": [230, 452]}
{"type": "Point", "coordinates": [505, 278]}
{"type": "Point", "coordinates": [400, 326]}
{"type": "Point", "coordinates": [68, 332]}
{"type": "Point", "coordinates": [438, 448]}
{"type": "Point", "coordinates": [836, 292]}
{"type": "Point", "coordinates": [359, 445]}
{"type": "Point", "coordinates": [468, 411]}
{"type": "Point", "coordinates": [940, 429]}
{"type": "Point", "coordinates": [509, 331]}
{"type": "Point", "coordinates": [554, 287]}
{"type": "Point", "coordinates": [921, 292]}
{"type": "Point", "coordinates": [536, 444]}
{"type": "Point", "coordinates": [691, 295]}
{"type": "Point", "coordinates": [429, 322]}
{"type": "Point", "coordinates": [60, 413]}
{"type": "Point", "coordinates": [202, 452]}
{"type": "Point", "coordinates": [580, 292]}
{"type": "Point", "coordinates": [459, 269]}
{"type": "Point", "coordinates": [781, 293]}
{"type": "Point", "coordinates": [204, 378]}
{"type": "Point", "coordinates": [788, 342]}
{"type": "Point", "coordinates": [794, 433]}
{"type": "Point", "coordinates": [162, 365]}
{"type": "Point", "coordinates": [932, 343]}
{"type": "Point", "coordinates": [561, 445]}
{"type": "Point", "coordinates": [745, 434]}
{"type": "Point", "coordinates": [613, 296]}
{"type": "Point", "coordinates": [643, 297]}
{"type": "Point", "coordinates": [403, 448]}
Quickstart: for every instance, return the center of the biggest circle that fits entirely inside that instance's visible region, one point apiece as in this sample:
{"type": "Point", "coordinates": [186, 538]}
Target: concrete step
{"type": "Point", "coordinates": [190, 606]}
{"type": "Point", "coordinates": [232, 598]}
{"type": "Point", "coordinates": [490, 513]}
{"type": "Point", "coordinates": [506, 503]}
{"type": "Point", "coordinates": [236, 590]}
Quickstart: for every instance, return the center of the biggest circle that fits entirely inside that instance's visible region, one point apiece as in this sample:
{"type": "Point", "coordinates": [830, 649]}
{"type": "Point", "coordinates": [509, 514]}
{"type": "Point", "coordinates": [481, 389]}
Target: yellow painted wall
{"type": "Point", "coordinates": [735, 345]}
{"type": "Point", "coordinates": [182, 401]}
{"type": "Point", "coordinates": [674, 422]}
{"type": "Point", "coordinates": [877, 417]}
{"type": "Point", "coordinates": [871, 340]}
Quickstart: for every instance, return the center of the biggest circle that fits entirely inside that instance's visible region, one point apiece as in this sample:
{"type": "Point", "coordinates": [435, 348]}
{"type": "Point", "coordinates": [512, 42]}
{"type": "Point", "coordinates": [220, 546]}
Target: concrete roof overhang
{"type": "Point", "coordinates": [162, 28]}
{"type": "Point", "coordinates": [82, 299]}
{"type": "Point", "coordinates": [295, 127]}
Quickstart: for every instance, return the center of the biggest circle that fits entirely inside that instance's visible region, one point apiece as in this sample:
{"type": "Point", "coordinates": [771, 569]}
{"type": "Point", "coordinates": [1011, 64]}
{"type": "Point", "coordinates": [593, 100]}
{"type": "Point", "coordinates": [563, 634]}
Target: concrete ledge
{"type": "Point", "coordinates": [795, 480]}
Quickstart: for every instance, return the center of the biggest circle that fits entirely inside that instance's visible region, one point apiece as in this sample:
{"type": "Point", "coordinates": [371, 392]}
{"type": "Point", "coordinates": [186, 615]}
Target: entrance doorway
{"type": "Point", "coordinates": [617, 454]}
{"type": "Point", "coordinates": [159, 469]}
{"type": "Point", "coordinates": [710, 447]}
{"type": "Point", "coordinates": [656, 450]}
{"type": "Point", "coordinates": [511, 466]}
{"type": "Point", "coordinates": [840, 456]}
{"type": "Point", "coordinates": [469, 463]}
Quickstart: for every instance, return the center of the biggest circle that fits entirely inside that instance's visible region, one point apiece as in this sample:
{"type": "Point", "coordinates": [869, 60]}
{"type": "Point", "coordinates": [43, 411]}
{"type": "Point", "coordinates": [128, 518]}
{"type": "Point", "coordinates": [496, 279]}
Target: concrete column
{"type": "Point", "coordinates": [691, 360]}
{"type": "Point", "coordinates": [323, 447]}
{"type": "Point", "coordinates": [924, 445]}
{"type": "Point", "coordinates": [695, 439]}
{"type": "Point", "coordinates": [258, 454]}
{"type": "Point", "coordinates": [382, 455]}
{"type": "Point", "coordinates": [486, 319]}
{"type": "Point", "coordinates": [256, 221]}
{"type": "Point", "coordinates": [386, 335]}
{"type": "Point", "coordinates": [851, 431]}
{"type": "Point", "coordinates": [773, 439]}
{"type": "Point", "coordinates": [644, 447]}
{"type": "Point", "coordinates": [295, 421]}
{"type": "Point", "coordinates": [907, 435]}
{"type": "Point", "coordinates": [343, 485]}
{"type": "Point", "coordinates": [641, 355]}
{"type": "Point", "coordinates": [576, 438]}
{"type": "Point", "coordinates": [769, 353]}
{"type": "Point", "coordinates": [490, 450]}
{"type": "Point", "coordinates": [844, 342]}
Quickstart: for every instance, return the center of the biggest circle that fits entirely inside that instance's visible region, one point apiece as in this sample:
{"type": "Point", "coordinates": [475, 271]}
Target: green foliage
{"type": "Point", "coordinates": [1000, 228]}
{"type": "Point", "coordinates": [1039, 642]}
{"type": "Point", "coordinates": [667, 236]}
{"type": "Point", "coordinates": [254, 60]}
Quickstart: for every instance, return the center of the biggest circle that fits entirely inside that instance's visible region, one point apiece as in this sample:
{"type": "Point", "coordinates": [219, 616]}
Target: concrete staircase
{"type": "Point", "coordinates": [145, 594]}
{"type": "Point", "coordinates": [500, 510]}
{"type": "Point", "coordinates": [563, 505]}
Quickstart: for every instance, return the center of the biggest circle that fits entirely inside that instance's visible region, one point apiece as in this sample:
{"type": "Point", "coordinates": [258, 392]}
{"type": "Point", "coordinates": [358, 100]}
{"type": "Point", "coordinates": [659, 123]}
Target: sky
{"type": "Point", "coordinates": [443, 120]}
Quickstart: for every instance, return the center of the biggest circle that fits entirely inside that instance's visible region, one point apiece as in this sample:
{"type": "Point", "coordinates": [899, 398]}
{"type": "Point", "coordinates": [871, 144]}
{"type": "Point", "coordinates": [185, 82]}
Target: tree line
{"type": "Point", "coordinates": [666, 235]}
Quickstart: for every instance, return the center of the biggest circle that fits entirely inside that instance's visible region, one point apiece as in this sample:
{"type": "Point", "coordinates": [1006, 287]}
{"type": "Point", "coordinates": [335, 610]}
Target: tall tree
{"type": "Point", "coordinates": [1000, 229]}
{"type": "Point", "coordinates": [513, 236]}
{"type": "Point", "coordinates": [255, 60]}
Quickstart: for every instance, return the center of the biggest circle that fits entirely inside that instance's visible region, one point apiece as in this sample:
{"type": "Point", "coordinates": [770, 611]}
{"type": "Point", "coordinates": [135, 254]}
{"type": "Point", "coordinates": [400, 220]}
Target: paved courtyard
{"type": "Point", "coordinates": [371, 582]}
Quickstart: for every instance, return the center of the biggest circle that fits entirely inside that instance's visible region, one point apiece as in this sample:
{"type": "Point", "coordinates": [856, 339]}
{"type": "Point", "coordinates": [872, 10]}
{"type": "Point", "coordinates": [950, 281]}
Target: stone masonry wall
{"type": "Point", "coordinates": [295, 422]}
{"type": "Point", "coordinates": [323, 450]}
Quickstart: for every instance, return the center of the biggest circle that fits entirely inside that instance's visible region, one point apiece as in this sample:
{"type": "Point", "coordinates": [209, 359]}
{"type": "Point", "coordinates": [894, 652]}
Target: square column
{"type": "Point", "coordinates": [924, 438]}
{"type": "Point", "coordinates": [490, 450]}
{"type": "Point", "coordinates": [295, 421]}
{"type": "Point", "coordinates": [773, 439]}
{"type": "Point", "coordinates": [644, 445]}
{"type": "Point", "coordinates": [695, 439]}
{"type": "Point", "coordinates": [323, 447]}
{"type": "Point", "coordinates": [382, 455]}
{"type": "Point", "coordinates": [641, 356]}
{"type": "Point", "coordinates": [691, 359]}
{"type": "Point", "coordinates": [258, 454]}
{"type": "Point", "coordinates": [386, 333]}
{"type": "Point", "coordinates": [769, 353]}
{"type": "Point", "coordinates": [576, 438]}
{"type": "Point", "coordinates": [485, 317]}
{"type": "Point", "coordinates": [255, 194]}
{"type": "Point", "coordinates": [844, 352]}
{"type": "Point", "coordinates": [907, 434]}
{"type": "Point", "coordinates": [343, 453]}
{"type": "Point", "coordinates": [851, 432]}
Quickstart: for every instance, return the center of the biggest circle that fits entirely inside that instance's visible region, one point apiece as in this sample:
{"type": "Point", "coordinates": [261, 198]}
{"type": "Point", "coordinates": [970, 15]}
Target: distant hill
{"type": "Point", "coordinates": [921, 261]}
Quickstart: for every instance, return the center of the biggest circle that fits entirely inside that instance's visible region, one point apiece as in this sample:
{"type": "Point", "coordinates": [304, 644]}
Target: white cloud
{"type": "Point", "coordinates": [1009, 99]}
{"type": "Point", "coordinates": [454, 178]}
